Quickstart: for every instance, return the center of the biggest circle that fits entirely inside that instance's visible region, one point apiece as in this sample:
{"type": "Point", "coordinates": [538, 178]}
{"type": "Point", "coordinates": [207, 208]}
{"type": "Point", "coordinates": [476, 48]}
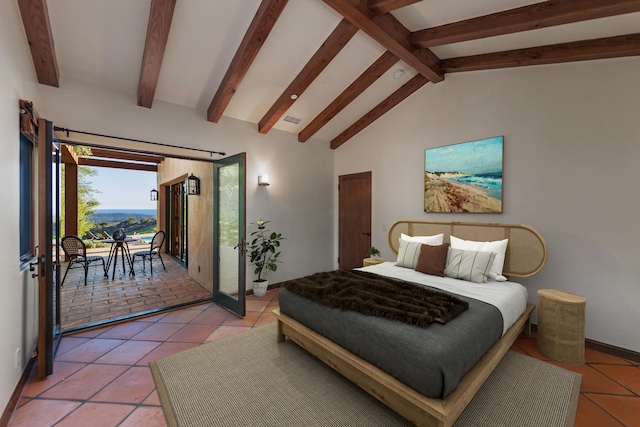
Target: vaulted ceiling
{"type": "Point", "coordinates": [332, 66]}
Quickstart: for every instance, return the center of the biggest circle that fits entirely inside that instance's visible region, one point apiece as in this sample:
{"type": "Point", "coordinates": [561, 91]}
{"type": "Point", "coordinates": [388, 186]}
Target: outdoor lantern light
{"type": "Point", "coordinates": [193, 185]}
{"type": "Point", "coordinates": [154, 195]}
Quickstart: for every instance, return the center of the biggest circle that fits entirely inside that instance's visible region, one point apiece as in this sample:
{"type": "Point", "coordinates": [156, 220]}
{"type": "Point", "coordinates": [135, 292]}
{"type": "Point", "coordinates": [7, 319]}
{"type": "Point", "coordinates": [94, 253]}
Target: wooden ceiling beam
{"type": "Point", "coordinates": [385, 6]}
{"type": "Point", "coordinates": [323, 56]}
{"type": "Point", "coordinates": [262, 24]}
{"type": "Point", "coordinates": [392, 35]}
{"type": "Point", "coordinates": [375, 70]}
{"type": "Point", "coordinates": [35, 19]}
{"type": "Point", "coordinates": [608, 47]}
{"type": "Point", "coordinates": [126, 155]}
{"type": "Point", "coordinates": [87, 161]}
{"type": "Point", "coordinates": [532, 17]}
{"type": "Point", "coordinates": [379, 110]}
{"type": "Point", "coordinates": [160, 18]}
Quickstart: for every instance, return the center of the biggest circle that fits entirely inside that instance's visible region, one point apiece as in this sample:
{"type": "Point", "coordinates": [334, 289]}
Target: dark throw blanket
{"type": "Point", "coordinates": [380, 296]}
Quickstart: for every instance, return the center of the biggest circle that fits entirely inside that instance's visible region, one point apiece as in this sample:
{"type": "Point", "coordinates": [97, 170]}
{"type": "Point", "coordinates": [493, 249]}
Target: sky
{"type": "Point", "coordinates": [484, 155]}
{"type": "Point", "coordinates": [123, 189]}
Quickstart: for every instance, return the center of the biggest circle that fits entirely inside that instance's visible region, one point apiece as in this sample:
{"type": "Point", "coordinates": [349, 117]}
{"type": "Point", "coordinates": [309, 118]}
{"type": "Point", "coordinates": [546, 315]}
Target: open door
{"type": "Point", "coordinates": [229, 248]}
{"type": "Point", "coordinates": [48, 261]}
{"type": "Point", "coordinates": [177, 205]}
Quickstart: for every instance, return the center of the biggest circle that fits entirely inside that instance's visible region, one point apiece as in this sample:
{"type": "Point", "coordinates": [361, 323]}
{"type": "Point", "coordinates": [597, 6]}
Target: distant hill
{"type": "Point", "coordinates": [140, 221]}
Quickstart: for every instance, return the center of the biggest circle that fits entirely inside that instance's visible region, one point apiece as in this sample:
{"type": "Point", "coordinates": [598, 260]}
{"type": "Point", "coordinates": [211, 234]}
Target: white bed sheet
{"type": "Point", "coordinates": [508, 297]}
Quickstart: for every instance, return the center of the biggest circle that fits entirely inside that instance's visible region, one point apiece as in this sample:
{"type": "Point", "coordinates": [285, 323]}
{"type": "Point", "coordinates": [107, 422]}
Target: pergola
{"type": "Point", "coordinates": [100, 157]}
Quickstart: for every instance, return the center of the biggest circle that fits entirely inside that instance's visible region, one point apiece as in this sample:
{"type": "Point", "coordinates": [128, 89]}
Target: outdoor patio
{"type": "Point", "coordinates": [104, 298]}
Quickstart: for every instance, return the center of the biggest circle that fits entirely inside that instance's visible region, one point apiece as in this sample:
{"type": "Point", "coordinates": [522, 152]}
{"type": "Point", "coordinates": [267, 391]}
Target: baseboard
{"type": "Point", "coordinates": [15, 397]}
{"type": "Point", "coordinates": [613, 350]}
{"type": "Point", "coordinates": [605, 348]}
{"type": "Point", "coordinates": [250, 291]}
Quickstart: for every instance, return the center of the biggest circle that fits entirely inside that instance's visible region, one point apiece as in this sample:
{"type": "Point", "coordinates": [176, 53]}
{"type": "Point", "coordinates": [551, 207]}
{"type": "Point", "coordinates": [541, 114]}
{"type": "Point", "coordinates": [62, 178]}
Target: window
{"type": "Point", "coordinates": [26, 199]}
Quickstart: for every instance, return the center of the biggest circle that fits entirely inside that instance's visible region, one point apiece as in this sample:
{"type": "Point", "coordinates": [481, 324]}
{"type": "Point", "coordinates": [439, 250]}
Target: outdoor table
{"type": "Point", "coordinates": [122, 247]}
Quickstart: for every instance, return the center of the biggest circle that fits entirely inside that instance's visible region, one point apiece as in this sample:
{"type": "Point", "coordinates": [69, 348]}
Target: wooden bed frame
{"type": "Point", "coordinates": [524, 243]}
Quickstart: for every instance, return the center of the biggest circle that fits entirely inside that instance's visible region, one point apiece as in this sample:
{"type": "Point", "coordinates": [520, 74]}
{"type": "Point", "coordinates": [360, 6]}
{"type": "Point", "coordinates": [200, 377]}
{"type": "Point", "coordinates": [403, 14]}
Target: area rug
{"type": "Point", "coordinates": [251, 380]}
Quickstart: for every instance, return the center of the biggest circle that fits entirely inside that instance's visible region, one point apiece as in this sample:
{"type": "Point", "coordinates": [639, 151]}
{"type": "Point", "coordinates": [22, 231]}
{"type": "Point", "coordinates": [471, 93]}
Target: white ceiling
{"type": "Point", "coordinates": [102, 42]}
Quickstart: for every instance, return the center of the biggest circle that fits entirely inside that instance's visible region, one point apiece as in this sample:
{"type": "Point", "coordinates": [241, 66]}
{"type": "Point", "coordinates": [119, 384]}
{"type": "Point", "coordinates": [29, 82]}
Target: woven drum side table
{"type": "Point", "coordinates": [561, 317]}
{"type": "Point", "coordinates": [372, 261]}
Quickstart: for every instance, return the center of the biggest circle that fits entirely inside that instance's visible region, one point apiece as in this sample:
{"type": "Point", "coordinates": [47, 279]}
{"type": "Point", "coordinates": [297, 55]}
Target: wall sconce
{"type": "Point", "coordinates": [263, 180]}
{"type": "Point", "coordinates": [193, 185]}
{"type": "Point", "coordinates": [154, 195]}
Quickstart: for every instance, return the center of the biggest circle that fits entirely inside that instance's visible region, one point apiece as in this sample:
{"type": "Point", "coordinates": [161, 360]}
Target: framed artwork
{"type": "Point", "coordinates": [464, 177]}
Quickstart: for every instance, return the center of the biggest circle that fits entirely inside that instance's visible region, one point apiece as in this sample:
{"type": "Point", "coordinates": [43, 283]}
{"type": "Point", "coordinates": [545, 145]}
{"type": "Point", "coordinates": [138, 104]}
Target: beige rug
{"type": "Point", "coordinates": [250, 380]}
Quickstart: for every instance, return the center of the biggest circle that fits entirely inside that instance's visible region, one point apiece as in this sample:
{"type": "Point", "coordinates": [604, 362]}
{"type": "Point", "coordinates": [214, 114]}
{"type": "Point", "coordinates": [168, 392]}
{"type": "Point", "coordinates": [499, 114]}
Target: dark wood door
{"type": "Point", "coordinates": [354, 233]}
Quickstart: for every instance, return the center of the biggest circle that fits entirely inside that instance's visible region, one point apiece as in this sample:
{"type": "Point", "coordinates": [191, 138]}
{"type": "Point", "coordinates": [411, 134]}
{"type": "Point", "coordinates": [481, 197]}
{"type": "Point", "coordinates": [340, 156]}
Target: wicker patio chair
{"type": "Point", "coordinates": [154, 251]}
{"type": "Point", "coordinates": [76, 253]}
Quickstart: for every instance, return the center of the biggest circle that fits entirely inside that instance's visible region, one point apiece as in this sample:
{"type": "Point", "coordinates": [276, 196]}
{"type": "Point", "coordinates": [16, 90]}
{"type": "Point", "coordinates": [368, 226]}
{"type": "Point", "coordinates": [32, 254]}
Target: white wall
{"type": "Point", "coordinates": [299, 200]}
{"type": "Point", "coordinates": [18, 302]}
{"type": "Point", "coordinates": [572, 148]}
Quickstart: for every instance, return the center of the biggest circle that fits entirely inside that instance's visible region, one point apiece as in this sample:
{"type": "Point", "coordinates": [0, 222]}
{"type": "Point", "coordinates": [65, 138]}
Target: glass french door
{"type": "Point", "coordinates": [48, 261]}
{"type": "Point", "coordinates": [229, 249]}
{"type": "Point", "coordinates": [177, 223]}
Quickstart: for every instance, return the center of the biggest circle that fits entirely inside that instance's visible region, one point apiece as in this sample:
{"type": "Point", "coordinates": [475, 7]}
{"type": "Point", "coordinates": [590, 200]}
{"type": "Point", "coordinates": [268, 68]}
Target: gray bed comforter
{"type": "Point", "coordinates": [430, 360]}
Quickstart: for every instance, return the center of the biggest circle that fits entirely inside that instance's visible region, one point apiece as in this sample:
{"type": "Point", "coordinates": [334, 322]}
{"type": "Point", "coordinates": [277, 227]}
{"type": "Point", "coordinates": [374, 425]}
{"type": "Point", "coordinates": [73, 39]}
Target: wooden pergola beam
{"type": "Point", "coordinates": [87, 161]}
{"type": "Point", "coordinates": [392, 35]}
{"type": "Point", "coordinates": [126, 155]}
{"type": "Point", "coordinates": [257, 33]}
{"type": "Point", "coordinates": [35, 19]}
{"type": "Point", "coordinates": [532, 17]}
{"type": "Point", "coordinates": [379, 110]}
{"type": "Point", "coordinates": [338, 39]}
{"type": "Point", "coordinates": [158, 28]}
{"type": "Point", "coordinates": [375, 70]}
{"type": "Point", "coordinates": [71, 198]}
{"type": "Point", "coordinates": [608, 47]}
{"type": "Point", "coordinates": [68, 154]}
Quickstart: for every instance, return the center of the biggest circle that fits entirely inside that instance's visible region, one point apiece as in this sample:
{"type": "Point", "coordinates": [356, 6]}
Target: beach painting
{"type": "Point", "coordinates": [464, 177]}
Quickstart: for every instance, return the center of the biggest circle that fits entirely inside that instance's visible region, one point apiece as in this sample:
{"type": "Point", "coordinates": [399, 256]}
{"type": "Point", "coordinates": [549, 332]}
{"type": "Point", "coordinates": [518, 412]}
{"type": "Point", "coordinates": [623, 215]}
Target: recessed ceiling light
{"type": "Point", "coordinates": [398, 73]}
{"type": "Point", "coordinates": [294, 96]}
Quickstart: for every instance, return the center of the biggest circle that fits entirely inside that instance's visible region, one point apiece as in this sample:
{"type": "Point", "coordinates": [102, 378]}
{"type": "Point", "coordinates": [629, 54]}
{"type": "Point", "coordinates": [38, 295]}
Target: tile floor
{"type": "Point", "coordinates": [610, 391]}
{"type": "Point", "coordinates": [122, 294]}
{"type": "Point", "coordinates": [101, 377]}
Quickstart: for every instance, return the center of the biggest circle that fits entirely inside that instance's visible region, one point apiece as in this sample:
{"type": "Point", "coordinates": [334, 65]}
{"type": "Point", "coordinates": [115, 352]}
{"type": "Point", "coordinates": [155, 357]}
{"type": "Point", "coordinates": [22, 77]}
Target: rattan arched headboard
{"type": "Point", "coordinates": [526, 251]}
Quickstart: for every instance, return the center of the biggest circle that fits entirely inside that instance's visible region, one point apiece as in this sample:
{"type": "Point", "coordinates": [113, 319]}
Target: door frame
{"type": "Point", "coordinates": [49, 332]}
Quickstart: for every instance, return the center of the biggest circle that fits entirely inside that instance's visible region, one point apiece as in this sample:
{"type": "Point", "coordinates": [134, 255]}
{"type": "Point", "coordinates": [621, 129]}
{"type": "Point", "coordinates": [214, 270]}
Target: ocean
{"type": "Point", "coordinates": [490, 182]}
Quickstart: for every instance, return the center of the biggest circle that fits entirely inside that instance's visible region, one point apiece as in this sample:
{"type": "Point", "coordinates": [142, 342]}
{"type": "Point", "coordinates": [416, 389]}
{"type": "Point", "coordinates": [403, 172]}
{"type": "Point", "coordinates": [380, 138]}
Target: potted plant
{"type": "Point", "coordinates": [374, 253]}
{"type": "Point", "coordinates": [264, 255]}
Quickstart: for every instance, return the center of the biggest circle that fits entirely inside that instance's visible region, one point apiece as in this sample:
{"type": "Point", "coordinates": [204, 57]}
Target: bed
{"type": "Point", "coordinates": [339, 338]}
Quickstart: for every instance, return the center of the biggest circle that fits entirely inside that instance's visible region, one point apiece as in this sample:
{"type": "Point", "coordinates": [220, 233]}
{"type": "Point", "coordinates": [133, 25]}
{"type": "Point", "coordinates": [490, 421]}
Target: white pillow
{"type": "Point", "coordinates": [408, 254]}
{"type": "Point", "coordinates": [472, 266]}
{"type": "Point", "coordinates": [499, 247]}
{"type": "Point", "coordinates": [435, 240]}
